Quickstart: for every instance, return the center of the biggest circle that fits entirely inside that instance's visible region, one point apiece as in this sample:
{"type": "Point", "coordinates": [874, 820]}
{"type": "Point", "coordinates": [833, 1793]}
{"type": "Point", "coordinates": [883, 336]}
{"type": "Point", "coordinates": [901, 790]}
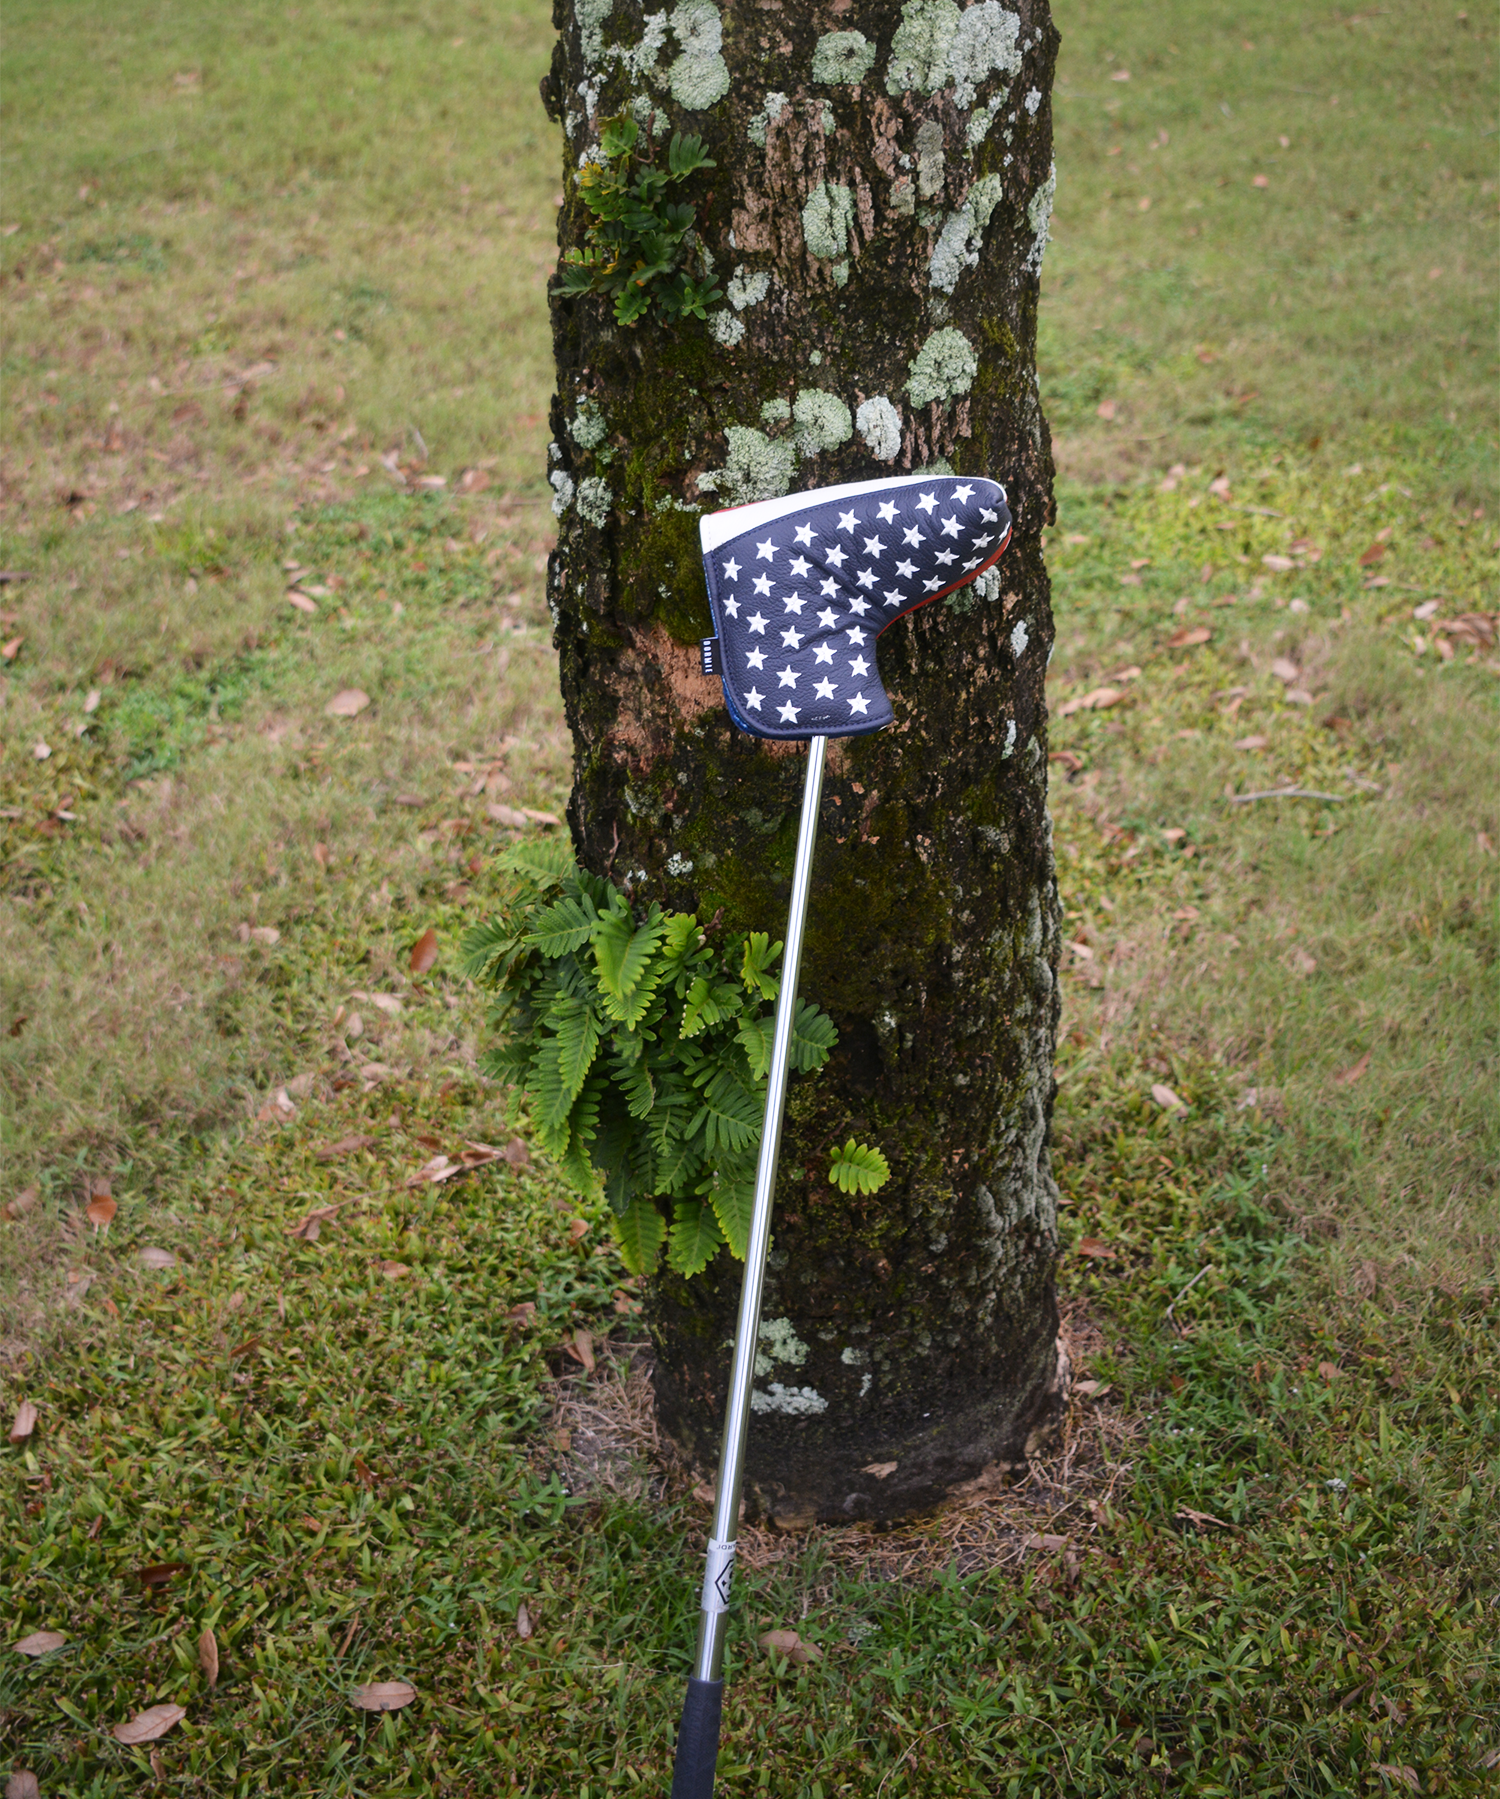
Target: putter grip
{"type": "Point", "coordinates": [698, 1740]}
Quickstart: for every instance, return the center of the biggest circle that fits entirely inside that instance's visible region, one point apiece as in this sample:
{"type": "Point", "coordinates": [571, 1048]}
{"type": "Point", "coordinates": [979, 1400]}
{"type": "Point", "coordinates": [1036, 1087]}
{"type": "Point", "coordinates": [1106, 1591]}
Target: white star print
{"type": "Point", "coordinates": [866, 577]}
{"type": "Point", "coordinates": [893, 599]}
{"type": "Point", "coordinates": [873, 546]}
{"type": "Point", "coordinates": [787, 676]}
{"type": "Point", "coordinates": [824, 689]}
{"type": "Point", "coordinates": [794, 604]}
{"type": "Point", "coordinates": [950, 527]}
{"type": "Point", "coordinates": [944, 557]}
{"type": "Point", "coordinates": [838, 556]}
{"type": "Point", "coordinates": [792, 638]}
{"type": "Point", "coordinates": [753, 699]}
{"type": "Point", "coordinates": [859, 666]}
{"type": "Point", "coordinates": [859, 703]}
{"type": "Point", "coordinates": [990, 518]}
{"type": "Point", "coordinates": [906, 570]}
{"type": "Point", "coordinates": [859, 606]}
{"type": "Point", "coordinates": [911, 535]}
{"type": "Point", "coordinates": [804, 534]}
{"type": "Point", "coordinates": [828, 589]}
{"type": "Point", "coordinates": [822, 653]}
{"type": "Point", "coordinates": [926, 503]}
{"type": "Point", "coordinates": [973, 563]}
{"type": "Point", "coordinates": [856, 635]}
{"type": "Point", "coordinates": [981, 543]}
{"type": "Point", "coordinates": [732, 569]}
{"type": "Point", "coordinates": [961, 494]}
{"type": "Point", "coordinates": [787, 712]}
{"type": "Point", "coordinates": [826, 618]}
{"type": "Point", "coordinates": [755, 659]}
{"type": "Point", "coordinates": [888, 512]}
{"type": "Point", "coordinates": [933, 585]}
{"type": "Point", "coordinates": [756, 623]}
{"type": "Point", "coordinates": [800, 566]}
{"type": "Point", "coordinates": [765, 552]}
{"type": "Point", "coordinates": [763, 585]}
{"type": "Point", "coordinates": [846, 521]}
{"type": "Point", "coordinates": [732, 608]}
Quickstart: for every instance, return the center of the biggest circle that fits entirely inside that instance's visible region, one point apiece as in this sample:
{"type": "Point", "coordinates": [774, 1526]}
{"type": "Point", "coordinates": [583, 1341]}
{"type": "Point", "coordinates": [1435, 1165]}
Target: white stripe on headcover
{"type": "Point", "coordinates": [715, 528]}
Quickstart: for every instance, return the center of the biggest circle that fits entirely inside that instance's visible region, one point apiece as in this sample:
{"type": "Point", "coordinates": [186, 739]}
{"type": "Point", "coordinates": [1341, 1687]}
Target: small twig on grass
{"type": "Point", "coordinates": [1183, 1295]}
{"type": "Point", "coordinates": [1286, 793]}
{"type": "Point", "coordinates": [348, 1637]}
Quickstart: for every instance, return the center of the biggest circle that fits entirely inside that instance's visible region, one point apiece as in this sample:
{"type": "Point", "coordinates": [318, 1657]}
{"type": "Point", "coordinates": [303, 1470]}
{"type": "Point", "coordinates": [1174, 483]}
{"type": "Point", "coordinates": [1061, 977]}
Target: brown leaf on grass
{"type": "Point", "coordinates": [523, 1621]}
{"type": "Point", "coordinates": [578, 1230]}
{"type": "Point", "coordinates": [264, 933]}
{"type": "Point", "coordinates": [787, 1643]}
{"type": "Point", "coordinates": [394, 1271]}
{"type": "Point", "coordinates": [1278, 565]}
{"type": "Point", "coordinates": [1401, 1774]}
{"type": "Point", "coordinates": [523, 1313]}
{"type": "Point", "coordinates": [1095, 1247]}
{"type": "Point", "coordinates": [208, 1655]}
{"type": "Point", "coordinates": [22, 1203]}
{"type": "Point", "coordinates": [437, 1168]}
{"type": "Point", "coordinates": [517, 1154]}
{"type": "Point", "coordinates": [1372, 555]}
{"type": "Point", "coordinates": [148, 1726]}
{"type": "Point", "coordinates": [1189, 634]}
{"type": "Point", "coordinates": [9, 651]}
{"type": "Point", "coordinates": [1286, 671]}
{"type": "Point", "coordinates": [1166, 1098]}
{"type": "Point", "coordinates": [346, 1146]}
{"type": "Point", "coordinates": [40, 1642]}
{"type": "Point", "coordinates": [1251, 743]}
{"type": "Point", "coordinates": [1098, 700]}
{"type": "Point", "coordinates": [383, 1695]}
{"type": "Point", "coordinates": [301, 602]}
{"type": "Point", "coordinates": [1044, 1540]}
{"type": "Point", "coordinates": [508, 816]}
{"type": "Point", "coordinates": [879, 1469]}
{"type": "Point", "coordinates": [1302, 963]}
{"type": "Point", "coordinates": [100, 1210]}
{"type": "Point", "coordinates": [1068, 758]}
{"type": "Point", "coordinates": [1352, 1074]}
{"type": "Point", "coordinates": [424, 951]}
{"type": "Point", "coordinates": [159, 1575]}
{"type": "Point", "coordinates": [1092, 1389]}
{"type": "Point", "coordinates": [24, 1423]}
{"type": "Point", "coordinates": [152, 1257]}
{"type": "Point", "coordinates": [23, 1785]}
{"type": "Point", "coordinates": [1105, 410]}
{"type": "Point", "coordinates": [581, 1349]}
{"type": "Point", "coordinates": [1200, 1520]}
{"type": "Point", "coordinates": [349, 702]}
{"type": "Point", "coordinates": [1329, 1370]}
{"type": "Point", "coordinates": [310, 1228]}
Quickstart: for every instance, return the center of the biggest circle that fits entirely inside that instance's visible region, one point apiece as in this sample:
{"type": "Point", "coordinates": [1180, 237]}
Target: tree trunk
{"type": "Point", "coordinates": [877, 216]}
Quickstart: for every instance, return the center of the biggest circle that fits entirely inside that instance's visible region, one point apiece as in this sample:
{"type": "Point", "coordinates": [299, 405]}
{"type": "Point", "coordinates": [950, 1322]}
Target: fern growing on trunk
{"type": "Point", "coordinates": [643, 1045]}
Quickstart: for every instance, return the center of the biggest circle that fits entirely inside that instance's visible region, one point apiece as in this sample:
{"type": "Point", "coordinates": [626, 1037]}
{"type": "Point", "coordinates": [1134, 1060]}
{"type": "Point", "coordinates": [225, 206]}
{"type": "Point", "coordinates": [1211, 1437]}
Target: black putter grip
{"type": "Point", "coordinates": [698, 1740]}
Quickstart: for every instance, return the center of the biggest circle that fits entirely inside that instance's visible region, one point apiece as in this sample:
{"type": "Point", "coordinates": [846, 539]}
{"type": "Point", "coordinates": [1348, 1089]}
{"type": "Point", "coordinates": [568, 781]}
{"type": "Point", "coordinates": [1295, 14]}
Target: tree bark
{"type": "Point", "coordinates": [877, 216]}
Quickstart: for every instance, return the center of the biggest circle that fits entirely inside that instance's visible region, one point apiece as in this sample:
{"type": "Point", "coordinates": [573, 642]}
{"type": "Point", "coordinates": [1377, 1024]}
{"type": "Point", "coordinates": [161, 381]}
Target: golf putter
{"type": "Point", "coordinates": [800, 587]}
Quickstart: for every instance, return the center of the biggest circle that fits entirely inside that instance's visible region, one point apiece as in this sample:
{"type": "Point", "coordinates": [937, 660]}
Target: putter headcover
{"type": "Point", "coordinates": [802, 586]}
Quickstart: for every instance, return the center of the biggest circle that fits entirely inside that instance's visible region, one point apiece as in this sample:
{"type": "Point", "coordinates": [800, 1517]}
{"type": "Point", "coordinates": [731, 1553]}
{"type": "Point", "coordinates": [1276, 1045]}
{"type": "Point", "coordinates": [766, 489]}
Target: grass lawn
{"type": "Point", "coordinates": [273, 320]}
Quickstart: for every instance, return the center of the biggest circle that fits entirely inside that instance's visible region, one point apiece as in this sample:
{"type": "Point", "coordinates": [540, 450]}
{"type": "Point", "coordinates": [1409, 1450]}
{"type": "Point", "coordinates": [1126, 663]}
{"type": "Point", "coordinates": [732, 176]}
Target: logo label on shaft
{"type": "Point", "coordinates": [717, 1576]}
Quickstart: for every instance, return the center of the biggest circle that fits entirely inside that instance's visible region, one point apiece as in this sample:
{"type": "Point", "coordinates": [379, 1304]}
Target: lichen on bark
{"type": "Point", "coordinates": [879, 244]}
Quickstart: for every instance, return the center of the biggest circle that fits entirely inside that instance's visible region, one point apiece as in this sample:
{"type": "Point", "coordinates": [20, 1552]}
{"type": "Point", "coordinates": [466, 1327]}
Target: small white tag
{"type": "Point", "coordinates": [717, 1576]}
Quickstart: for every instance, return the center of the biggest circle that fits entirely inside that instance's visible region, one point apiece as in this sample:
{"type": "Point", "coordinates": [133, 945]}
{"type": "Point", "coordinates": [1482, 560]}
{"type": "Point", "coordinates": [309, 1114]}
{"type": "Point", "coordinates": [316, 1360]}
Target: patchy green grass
{"type": "Point", "coordinates": [302, 284]}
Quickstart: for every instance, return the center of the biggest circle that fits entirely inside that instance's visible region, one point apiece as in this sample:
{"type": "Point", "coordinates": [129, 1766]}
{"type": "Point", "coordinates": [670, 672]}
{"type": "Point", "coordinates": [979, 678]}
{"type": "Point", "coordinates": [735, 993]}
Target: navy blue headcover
{"type": "Point", "coordinates": [802, 586]}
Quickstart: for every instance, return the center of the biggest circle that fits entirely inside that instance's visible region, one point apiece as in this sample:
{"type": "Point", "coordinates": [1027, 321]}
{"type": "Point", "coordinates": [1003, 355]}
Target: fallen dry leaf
{"type": "Point", "coordinates": [438, 1168]}
{"type": "Point", "coordinates": [1401, 1772]}
{"type": "Point", "coordinates": [508, 816]}
{"type": "Point", "coordinates": [208, 1655]}
{"type": "Point", "coordinates": [1286, 671]}
{"type": "Point", "coordinates": [9, 651]}
{"type": "Point", "coordinates": [346, 1146]}
{"type": "Point", "coordinates": [301, 602]}
{"type": "Point", "coordinates": [383, 1695]}
{"type": "Point", "coordinates": [1251, 743]}
{"type": "Point", "coordinates": [23, 1784]}
{"type": "Point", "coordinates": [1303, 963]}
{"type": "Point", "coordinates": [348, 703]}
{"type": "Point", "coordinates": [523, 1313]}
{"type": "Point", "coordinates": [40, 1642]}
{"type": "Point", "coordinates": [879, 1469]}
{"type": "Point", "coordinates": [1372, 555]}
{"type": "Point", "coordinates": [1044, 1540]}
{"type": "Point", "coordinates": [1166, 1098]}
{"type": "Point", "coordinates": [578, 1230]}
{"type": "Point", "coordinates": [1096, 701]}
{"type": "Point", "coordinates": [24, 1201]}
{"type": "Point", "coordinates": [787, 1643]}
{"type": "Point", "coordinates": [1105, 410]}
{"type": "Point", "coordinates": [1200, 1520]}
{"type": "Point", "coordinates": [517, 1154]}
{"type": "Point", "coordinates": [147, 1726]}
{"type": "Point", "coordinates": [156, 1258]}
{"type": "Point", "coordinates": [1095, 1246]}
{"type": "Point", "coordinates": [581, 1349]}
{"type": "Point", "coordinates": [310, 1228]}
{"type": "Point", "coordinates": [394, 1271]}
{"type": "Point", "coordinates": [1352, 1074]}
{"type": "Point", "coordinates": [1092, 1389]}
{"type": "Point", "coordinates": [101, 1208]}
{"type": "Point", "coordinates": [424, 951]}
{"type": "Point", "coordinates": [159, 1575]}
{"type": "Point", "coordinates": [1278, 565]}
{"type": "Point", "coordinates": [523, 1621]}
{"type": "Point", "coordinates": [264, 933]}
